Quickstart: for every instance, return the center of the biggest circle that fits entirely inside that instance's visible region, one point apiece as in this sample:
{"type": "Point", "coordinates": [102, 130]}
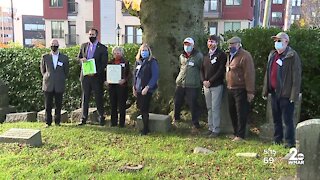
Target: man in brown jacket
{"type": "Point", "coordinates": [240, 76]}
{"type": "Point", "coordinates": [54, 69]}
{"type": "Point", "coordinates": [283, 81]}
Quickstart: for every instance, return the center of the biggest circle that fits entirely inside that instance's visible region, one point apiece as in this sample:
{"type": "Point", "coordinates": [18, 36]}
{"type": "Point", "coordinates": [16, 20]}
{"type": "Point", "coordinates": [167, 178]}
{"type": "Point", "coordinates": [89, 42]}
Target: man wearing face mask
{"type": "Point", "coordinates": [283, 81]}
{"type": "Point", "coordinates": [212, 76]}
{"type": "Point", "coordinates": [188, 82]}
{"type": "Point", "coordinates": [240, 76]}
{"type": "Point", "coordinates": [54, 68]}
{"type": "Point", "coordinates": [93, 49]}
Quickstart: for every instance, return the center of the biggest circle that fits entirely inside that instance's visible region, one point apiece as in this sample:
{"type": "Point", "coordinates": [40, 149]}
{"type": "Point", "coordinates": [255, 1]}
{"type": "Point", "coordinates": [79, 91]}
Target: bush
{"type": "Point", "coordinates": [20, 71]}
{"type": "Point", "coordinates": [305, 41]}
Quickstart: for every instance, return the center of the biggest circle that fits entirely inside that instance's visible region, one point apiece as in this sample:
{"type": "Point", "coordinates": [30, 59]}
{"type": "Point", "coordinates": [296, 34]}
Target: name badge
{"type": "Point", "coordinates": [214, 60]}
{"type": "Point", "coordinates": [60, 63]}
{"type": "Point", "coordinates": [279, 62]}
{"type": "Point", "coordinates": [191, 63]}
{"type": "Point", "coordinates": [123, 64]}
{"type": "Point", "coordinates": [138, 67]}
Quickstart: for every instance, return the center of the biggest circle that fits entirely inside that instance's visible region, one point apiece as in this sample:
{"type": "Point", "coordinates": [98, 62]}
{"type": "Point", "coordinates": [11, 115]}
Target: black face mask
{"type": "Point", "coordinates": [54, 48]}
{"type": "Point", "coordinates": [92, 39]}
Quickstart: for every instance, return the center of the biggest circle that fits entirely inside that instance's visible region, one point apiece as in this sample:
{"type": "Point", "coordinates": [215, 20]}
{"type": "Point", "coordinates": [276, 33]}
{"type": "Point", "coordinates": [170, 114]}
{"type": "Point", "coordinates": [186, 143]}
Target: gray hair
{"type": "Point", "coordinates": [118, 48]}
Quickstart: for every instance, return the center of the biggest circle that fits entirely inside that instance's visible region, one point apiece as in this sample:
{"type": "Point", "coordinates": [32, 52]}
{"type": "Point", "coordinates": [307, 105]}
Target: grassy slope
{"type": "Point", "coordinates": [93, 152]}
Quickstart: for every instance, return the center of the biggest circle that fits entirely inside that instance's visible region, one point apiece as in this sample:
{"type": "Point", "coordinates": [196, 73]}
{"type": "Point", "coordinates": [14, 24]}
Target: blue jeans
{"type": "Point", "coordinates": [282, 109]}
{"type": "Point", "coordinates": [213, 97]}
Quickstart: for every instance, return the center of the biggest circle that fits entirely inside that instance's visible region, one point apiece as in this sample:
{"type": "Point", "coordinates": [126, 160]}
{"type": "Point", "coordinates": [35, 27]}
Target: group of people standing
{"type": "Point", "coordinates": [212, 71]}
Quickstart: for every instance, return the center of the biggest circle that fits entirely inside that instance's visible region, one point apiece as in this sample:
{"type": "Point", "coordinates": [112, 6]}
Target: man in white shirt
{"type": "Point", "coordinates": [54, 69]}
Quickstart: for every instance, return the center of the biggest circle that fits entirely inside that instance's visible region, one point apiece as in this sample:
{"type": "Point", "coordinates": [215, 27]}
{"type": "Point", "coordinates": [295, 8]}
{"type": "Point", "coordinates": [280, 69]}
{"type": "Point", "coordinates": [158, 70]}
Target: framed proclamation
{"type": "Point", "coordinates": [113, 73]}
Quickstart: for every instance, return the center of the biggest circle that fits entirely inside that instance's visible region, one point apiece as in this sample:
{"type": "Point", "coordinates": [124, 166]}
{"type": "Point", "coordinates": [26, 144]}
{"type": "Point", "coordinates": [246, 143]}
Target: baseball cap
{"type": "Point", "coordinates": [188, 40]}
{"type": "Point", "coordinates": [281, 35]}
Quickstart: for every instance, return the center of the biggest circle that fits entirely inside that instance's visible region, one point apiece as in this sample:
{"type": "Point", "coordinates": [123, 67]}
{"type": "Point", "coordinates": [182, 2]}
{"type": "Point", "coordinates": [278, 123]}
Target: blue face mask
{"type": "Point", "coordinates": [145, 54]}
{"type": "Point", "coordinates": [188, 49]}
{"type": "Point", "coordinates": [233, 49]}
{"type": "Point", "coordinates": [278, 45]}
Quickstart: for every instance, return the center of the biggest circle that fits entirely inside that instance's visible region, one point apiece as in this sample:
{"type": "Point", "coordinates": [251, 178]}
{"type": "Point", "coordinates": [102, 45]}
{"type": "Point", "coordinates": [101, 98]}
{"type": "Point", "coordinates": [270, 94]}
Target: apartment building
{"type": "Point", "coordinates": [6, 28]}
{"type": "Point", "coordinates": [29, 30]}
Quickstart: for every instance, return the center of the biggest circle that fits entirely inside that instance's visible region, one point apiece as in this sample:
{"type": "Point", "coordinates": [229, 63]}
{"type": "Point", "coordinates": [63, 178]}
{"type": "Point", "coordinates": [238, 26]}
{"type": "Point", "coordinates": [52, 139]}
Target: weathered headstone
{"type": "Point", "coordinates": [24, 116]}
{"type": "Point", "coordinates": [64, 116]}
{"type": "Point", "coordinates": [4, 102]}
{"type": "Point", "coordinates": [267, 129]}
{"type": "Point", "coordinates": [92, 116]}
{"type": "Point", "coordinates": [26, 136]}
{"type": "Point", "coordinates": [225, 124]}
{"type": "Point", "coordinates": [157, 122]}
{"type": "Point", "coordinates": [308, 143]}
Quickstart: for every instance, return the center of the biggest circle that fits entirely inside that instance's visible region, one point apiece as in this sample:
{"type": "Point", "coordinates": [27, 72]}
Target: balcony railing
{"type": "Point", "coordinates": [72, 8]}
{"type": "Point", "coordinates": [72, 39]}
{"type": "Point", "coordinates": [212, 9]}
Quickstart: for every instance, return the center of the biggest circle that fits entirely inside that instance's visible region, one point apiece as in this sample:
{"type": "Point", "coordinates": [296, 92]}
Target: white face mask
{"type": "Point", "coordinates": [278, 45]}
{"type": "Point", "coordinates": [188, 49]}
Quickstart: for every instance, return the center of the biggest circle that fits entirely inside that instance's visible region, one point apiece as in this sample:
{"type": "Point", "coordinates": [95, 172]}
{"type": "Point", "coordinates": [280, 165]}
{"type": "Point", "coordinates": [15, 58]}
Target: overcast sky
{"type": "Point", "coordinates": [25, 7]}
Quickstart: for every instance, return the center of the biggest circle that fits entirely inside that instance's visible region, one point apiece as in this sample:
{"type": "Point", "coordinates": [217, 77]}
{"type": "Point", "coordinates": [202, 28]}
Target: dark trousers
{"type": "Point", "coordinates": [191, 95]}
{"type": "Point", "coordinates": [48, 98]}
{"type": "Point", "coordinates": [282, 109]}
{"type": "Point", "coordinates": [95, 84]}
{"type": "Point", "coordinates": [118, 96]}
{"type": "Point", "coordinates": [238, 109]}
{"type": "Point", "coordinates": [143, 103]}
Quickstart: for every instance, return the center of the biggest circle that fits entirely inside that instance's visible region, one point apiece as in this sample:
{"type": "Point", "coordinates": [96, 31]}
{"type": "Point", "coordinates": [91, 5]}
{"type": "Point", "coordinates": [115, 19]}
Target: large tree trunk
{"type": "Point", "coordinates": [165, 24]}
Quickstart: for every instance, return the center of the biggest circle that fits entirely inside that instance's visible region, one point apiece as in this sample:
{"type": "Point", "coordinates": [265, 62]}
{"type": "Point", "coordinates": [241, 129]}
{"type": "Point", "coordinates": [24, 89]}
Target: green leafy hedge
{"type": "Point", "coordinates": [19, 69]}
{"type": "Point", "coordinates": [306, 42]}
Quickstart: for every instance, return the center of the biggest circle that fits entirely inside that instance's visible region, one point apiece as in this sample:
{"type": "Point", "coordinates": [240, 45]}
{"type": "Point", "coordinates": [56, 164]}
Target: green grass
{"type": "Point", "coordinates": [93, 152]}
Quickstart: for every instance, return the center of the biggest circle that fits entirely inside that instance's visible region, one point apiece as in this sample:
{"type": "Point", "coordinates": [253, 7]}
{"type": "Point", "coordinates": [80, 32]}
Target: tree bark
{"type": "Point", "coordinates": [165, 24]}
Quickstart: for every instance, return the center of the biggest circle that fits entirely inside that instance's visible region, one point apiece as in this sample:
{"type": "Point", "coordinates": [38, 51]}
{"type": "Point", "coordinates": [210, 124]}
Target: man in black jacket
{"type": "Point", "coordinates": [97, 51]}
{"type": "Point", "coordinates": [212, 75]}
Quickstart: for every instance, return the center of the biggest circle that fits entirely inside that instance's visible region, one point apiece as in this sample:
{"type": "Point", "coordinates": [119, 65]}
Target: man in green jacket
{"type": "Point", "coordinates": [283, 81]}
{"type": "Point", "coordinates": [188, 82]}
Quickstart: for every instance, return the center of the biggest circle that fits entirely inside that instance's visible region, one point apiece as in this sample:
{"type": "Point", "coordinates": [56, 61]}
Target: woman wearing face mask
{"type": "Point", "coordinates": [118, 93]}
{"type": "Point", "coordinates": [146, 75]}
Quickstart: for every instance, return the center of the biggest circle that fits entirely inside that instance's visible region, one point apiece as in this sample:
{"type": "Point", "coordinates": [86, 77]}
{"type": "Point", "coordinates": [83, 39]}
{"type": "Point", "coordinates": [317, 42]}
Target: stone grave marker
{"type": "Point", "coordinates": [157, 122]}
{"type": "Point", "coordinates": [92, 116]}
{"type": "Point", "coordinates": [64, 116]}
{"type": "Point", "coordinates": [24, 116]}
{"type": "Point", "coordinates": [4, 102]}
{"type": "Point", "coordinates": [308, 143]}
{"type": "Point", "coordinates": [31, 137]}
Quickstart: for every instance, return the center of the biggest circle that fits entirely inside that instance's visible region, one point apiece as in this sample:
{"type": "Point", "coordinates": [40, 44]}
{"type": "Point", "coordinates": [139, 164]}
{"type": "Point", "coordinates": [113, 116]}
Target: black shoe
{"type": "Point", "coordinates": [57, 124]}
{"type": "Point", "coordinates": [121, 125]}
{"type": "Point", "coordinates": [82, 124]}
{"type": "Point", "coordinates": [289, 146]}
{"type": "Point", "coordinates": [207, 133]}
{"type": "Point", "coordinates": [213, 135]}
{"type": "Point", "coordinates": [144, 132]}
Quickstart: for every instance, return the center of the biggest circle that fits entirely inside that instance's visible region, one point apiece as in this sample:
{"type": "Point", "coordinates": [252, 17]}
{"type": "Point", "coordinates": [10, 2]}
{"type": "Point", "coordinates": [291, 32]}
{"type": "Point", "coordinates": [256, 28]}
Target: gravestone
{"type": "Point", "coordinates": [92, 116]}
{"type": "Point", "coordinates": [31, 137]}
{"type": "Point", "coordinates": [157, 122]}
{"type": "Point", "coordinates": [41, 116]}
{"type": "Point", "coordinates": [24, 116]}
{"type": "Point", "coordinates": [4, 102]}
{"type": "Point", "coordinates": [308, 143]}
{"type": "Point", "coordinates": [267, 129]}
{"type": "Point", "coordinates": [225, 124]}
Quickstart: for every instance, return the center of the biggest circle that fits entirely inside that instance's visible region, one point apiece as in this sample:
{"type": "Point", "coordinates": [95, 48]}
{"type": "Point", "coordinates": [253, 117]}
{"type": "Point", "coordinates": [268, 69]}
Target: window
{"type": "Point", "coordinates": [232, 26]}
{"type": "Point", "coordinates": [28, 41]}
{"type": "Point", "coordinates": [34, 27]}
{"type": "Point", "coordinates": [233, 2]}
{"type": "Point", "coordinates": [55, 3]}
{"type": "Point", "coordinates": [210, 5]}
{"type": "Point", "coordinates": [133, 35]}
{"type": "Point", "coordinates": [277, 1]}
{"type": "Point", "coordinates": [89, 25]}
{"type": "Point", "coordinates": [295, 17]}
{"type": "Point", "coordinates": [57, 29]}
{"type": "Point", "coordinates": [276, 17]}
{"type": "Point", "coordinates": [212, 28]}
{"type": "Point", "coordinates": [296, 3]}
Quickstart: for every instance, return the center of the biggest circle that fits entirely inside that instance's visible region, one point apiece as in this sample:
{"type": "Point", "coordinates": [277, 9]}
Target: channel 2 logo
{"type": "Point", "coordinates": [295, 158]}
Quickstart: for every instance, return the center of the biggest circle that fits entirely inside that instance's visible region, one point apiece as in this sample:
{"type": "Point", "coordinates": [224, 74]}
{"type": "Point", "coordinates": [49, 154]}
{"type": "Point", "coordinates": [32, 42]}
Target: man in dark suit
{"type": "Point", "coordinates": [99, 52]}
{"type": "Point", "coordinates": [54, 69]}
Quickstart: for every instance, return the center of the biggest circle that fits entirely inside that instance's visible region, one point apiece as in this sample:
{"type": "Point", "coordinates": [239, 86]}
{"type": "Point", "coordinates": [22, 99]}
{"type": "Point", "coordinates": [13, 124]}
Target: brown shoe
{"type": "Point", "coordinates": [195, 130]}
{"type": "Point", "coordinates": [237, 139]}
